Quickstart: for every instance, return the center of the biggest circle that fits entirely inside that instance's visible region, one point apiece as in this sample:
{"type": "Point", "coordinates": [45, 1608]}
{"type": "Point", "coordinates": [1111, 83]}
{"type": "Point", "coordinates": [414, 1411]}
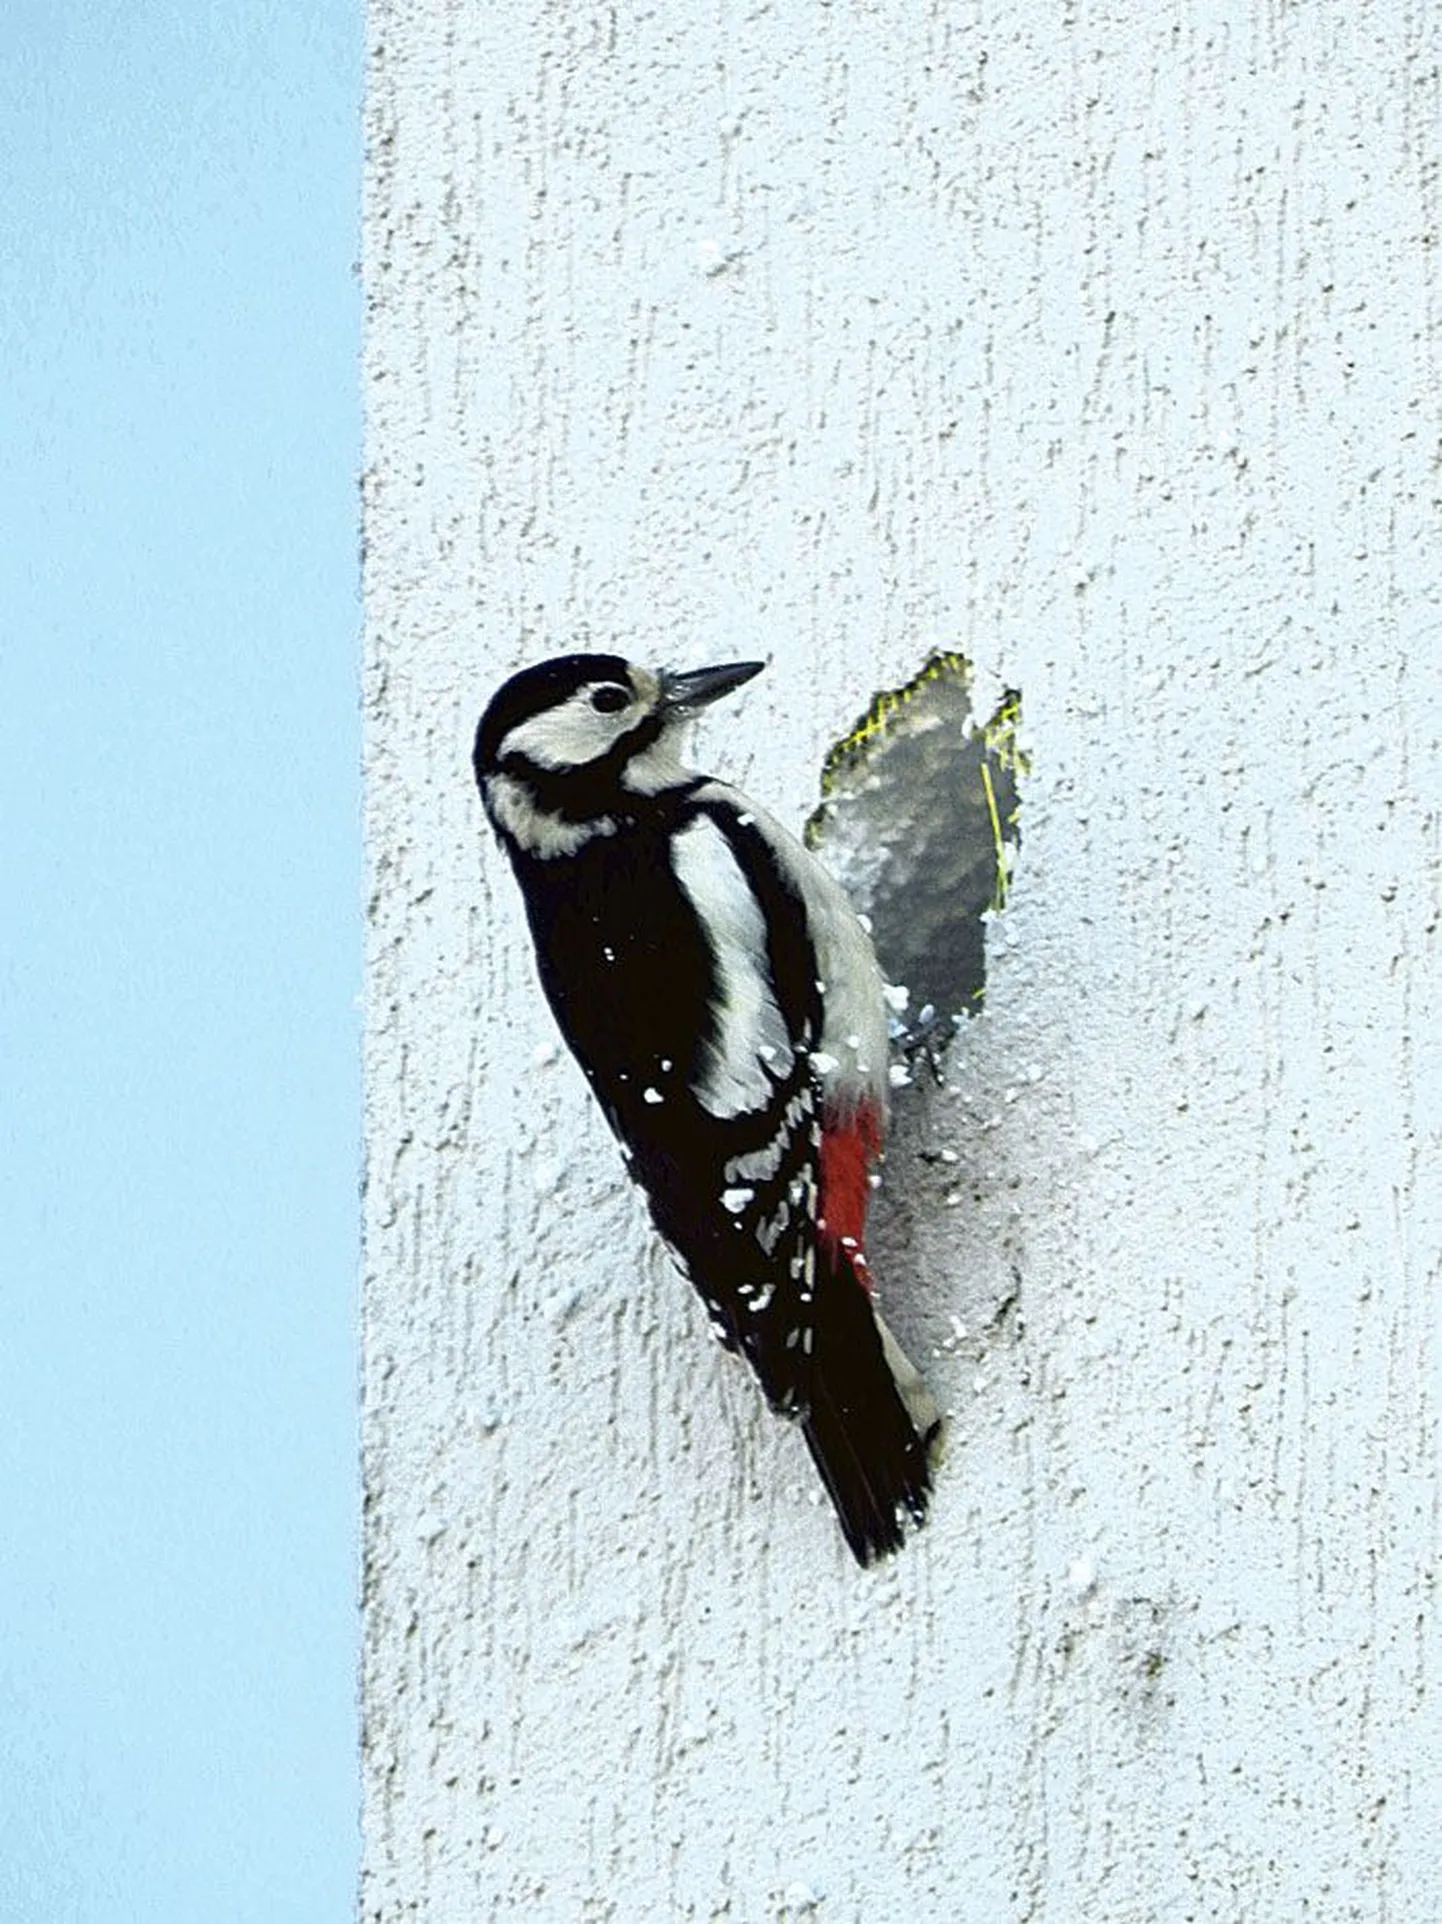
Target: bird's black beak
{"type": "Point", "coordinates": [697, 687]}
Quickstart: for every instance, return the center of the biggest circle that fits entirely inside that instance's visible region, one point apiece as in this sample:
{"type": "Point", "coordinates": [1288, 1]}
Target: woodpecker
{"type": "Point", "coordinates": [724, 1002]}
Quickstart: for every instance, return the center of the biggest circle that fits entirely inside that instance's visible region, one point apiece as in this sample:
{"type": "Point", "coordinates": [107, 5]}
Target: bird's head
{"type": "Point", "coordinates": [579, 710]}
{"type": "Point", "coordinates": [570, 738]}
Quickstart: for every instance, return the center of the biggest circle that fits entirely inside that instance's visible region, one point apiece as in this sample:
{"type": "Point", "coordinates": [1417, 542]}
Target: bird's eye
{"type": "Point", "coordinates": [610, 698]}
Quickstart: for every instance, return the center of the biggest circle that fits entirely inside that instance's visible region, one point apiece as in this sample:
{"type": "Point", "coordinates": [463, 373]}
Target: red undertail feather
{"type": "Point", "coordinates": [849, 1147]}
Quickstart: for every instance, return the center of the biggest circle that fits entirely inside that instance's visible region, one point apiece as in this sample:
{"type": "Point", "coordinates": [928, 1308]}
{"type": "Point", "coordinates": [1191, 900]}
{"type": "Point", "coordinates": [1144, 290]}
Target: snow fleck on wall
{"type": "Point", "coordinates": [1101, 347]}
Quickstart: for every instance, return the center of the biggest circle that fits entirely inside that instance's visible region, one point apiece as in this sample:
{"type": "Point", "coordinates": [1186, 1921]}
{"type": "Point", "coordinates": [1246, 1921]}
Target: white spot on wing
{"type": "Point", "coordinates": [735, 1075]}
{"type": "Point", "coordinates": [768, 1233]}
{"type": "Point", "coordinates": [760, 1165]}
{"type": "Point", "coordinates": [757, 1165]}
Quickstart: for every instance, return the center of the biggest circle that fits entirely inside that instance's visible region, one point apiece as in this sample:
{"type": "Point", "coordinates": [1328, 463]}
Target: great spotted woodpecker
{"type": "Point", "coordinates": [724, 1002]}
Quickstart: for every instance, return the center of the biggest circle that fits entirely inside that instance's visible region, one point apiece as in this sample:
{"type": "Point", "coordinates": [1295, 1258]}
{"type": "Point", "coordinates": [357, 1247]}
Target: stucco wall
{"type": "Point", "coordinates": [1100, 343]}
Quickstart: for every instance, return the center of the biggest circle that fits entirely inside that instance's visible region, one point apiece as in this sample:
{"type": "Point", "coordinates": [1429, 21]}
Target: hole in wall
{"type": "Point", "coordinates": [918, 821]}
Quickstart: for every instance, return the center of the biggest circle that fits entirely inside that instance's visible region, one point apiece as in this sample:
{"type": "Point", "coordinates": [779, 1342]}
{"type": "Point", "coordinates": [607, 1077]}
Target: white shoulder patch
{"type": "Point", "coordinates": [752, 1051]}
{"type": "Point", "coordinates": [851, 1053]}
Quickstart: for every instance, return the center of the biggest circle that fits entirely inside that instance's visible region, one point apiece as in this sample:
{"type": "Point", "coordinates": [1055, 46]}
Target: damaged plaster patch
{"type": "Point", "coordinates": [918, 821]}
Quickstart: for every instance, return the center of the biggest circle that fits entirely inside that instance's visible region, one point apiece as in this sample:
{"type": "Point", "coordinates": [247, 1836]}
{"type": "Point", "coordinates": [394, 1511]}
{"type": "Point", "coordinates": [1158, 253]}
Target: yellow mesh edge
{"type": "Point", "coordinates": [883, 706]}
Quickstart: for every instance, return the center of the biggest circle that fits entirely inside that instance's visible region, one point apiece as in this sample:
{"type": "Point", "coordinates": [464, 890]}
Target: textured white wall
{"type": "Point", "coordinates": [1100, 342]}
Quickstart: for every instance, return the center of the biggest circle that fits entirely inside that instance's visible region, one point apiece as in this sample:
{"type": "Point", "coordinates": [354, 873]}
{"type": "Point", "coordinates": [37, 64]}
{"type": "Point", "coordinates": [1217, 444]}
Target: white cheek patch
{"type": "Point", "coordinates": [752, 1049]}
{"type": "Point", "coordinates": [568, 736]}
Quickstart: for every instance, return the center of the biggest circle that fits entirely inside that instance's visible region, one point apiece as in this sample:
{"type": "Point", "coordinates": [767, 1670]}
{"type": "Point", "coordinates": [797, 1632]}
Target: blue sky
{"type": "Point", "coordinates": [179, 852]}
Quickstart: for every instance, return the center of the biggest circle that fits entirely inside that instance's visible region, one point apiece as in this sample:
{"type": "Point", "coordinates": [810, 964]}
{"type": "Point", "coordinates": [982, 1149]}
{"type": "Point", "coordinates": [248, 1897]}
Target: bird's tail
{"type": "Point", "coordinates": [871, 1426]}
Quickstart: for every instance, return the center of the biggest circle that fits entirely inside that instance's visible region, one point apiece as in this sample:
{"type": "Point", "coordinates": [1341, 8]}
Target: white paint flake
{"type": "Point", "coordinates": [1081, 1576]}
